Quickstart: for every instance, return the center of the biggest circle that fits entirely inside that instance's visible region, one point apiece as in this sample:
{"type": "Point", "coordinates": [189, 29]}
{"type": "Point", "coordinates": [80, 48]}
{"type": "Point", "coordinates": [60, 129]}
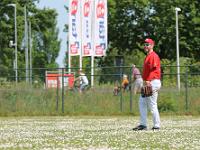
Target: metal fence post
{"type": "Point", "coordinates": [131, 94]}
{"type": "Point", "coordinates": [121, 103]}
{"type": "Point", "coordinates": [62, 90]}
{"type": "Point", "coordinates": [186, 89]}
{"type": "Point", "coordinates": [57, 96]}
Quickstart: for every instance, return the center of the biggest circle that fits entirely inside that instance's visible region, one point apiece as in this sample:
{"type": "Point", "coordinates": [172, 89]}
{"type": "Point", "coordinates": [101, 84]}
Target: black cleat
{"type": "Point", "coordinates": [140, 127]}
{"type": "Point", "coordinates": [155, 128]}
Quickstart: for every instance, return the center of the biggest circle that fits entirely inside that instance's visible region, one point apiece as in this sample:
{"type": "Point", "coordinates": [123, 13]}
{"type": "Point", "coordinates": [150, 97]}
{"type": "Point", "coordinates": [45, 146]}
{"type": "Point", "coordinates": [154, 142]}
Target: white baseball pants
{"type": "Point", "coordinates": [151, 103]}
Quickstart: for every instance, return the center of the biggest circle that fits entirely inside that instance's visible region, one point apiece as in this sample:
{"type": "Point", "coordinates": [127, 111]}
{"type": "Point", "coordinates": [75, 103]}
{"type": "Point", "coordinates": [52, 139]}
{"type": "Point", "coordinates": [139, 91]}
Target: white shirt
{"type": "Point", "coordinates": [83, 79]}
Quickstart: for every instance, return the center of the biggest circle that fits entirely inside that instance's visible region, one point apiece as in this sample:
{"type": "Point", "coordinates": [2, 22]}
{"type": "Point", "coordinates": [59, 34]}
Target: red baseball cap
{"type": "Point", "coordinates": [150, 41]}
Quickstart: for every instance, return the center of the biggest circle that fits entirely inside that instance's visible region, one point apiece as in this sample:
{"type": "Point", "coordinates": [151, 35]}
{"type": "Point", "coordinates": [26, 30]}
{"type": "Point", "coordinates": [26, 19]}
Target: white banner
{"type": "Point", "coordinates": [74, 27]}
{"type": "Point", "coordinates": [87, 27]}
{"type": "Point", "coordinates": [100, 28]}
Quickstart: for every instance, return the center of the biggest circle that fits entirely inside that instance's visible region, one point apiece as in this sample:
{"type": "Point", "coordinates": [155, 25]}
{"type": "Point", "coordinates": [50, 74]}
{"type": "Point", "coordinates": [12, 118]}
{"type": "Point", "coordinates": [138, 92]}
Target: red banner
{"type": "Point", "coordinates": [54, 80]}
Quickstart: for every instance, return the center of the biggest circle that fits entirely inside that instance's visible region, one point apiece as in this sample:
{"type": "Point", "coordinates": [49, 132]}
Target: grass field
{"type": "Point", "coordinates": [178, 132]}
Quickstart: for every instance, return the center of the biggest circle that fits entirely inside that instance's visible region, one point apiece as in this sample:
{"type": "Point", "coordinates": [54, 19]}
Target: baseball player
{"type": "Point", "coordinates": [151, 76]}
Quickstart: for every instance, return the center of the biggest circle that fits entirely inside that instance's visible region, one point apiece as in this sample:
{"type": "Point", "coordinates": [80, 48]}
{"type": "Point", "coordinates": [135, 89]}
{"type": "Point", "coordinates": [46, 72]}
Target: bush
{"type": "Point", "coordinates": [167, 104]}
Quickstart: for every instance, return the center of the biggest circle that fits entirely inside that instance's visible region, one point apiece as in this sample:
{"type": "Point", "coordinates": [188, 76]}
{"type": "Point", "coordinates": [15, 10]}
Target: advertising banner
{"type": "Point", "coordinates": [100, 28]}
{"type": "Point", "coordinates": [74, 27]}
{"type": "Point", "coordinates": [54, 80]}
{"type": "Point", "coordinates": [86, 27]}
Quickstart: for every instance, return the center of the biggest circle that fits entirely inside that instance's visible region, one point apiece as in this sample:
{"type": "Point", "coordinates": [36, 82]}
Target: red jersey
{"type": "Point", "coordinates": [151, 67]}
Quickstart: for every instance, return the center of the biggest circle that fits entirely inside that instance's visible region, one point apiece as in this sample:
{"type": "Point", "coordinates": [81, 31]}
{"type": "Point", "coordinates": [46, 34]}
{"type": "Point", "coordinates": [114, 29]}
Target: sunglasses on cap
{"type": "Point", "coordinates": [146, 44]}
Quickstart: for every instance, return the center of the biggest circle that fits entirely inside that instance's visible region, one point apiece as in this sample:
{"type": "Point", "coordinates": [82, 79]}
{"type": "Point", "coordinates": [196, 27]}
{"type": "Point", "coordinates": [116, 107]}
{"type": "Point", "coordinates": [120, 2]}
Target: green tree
{"type": "Point", "coordinates": [130, 21]}
{"type": "Point", "coordinates": [44, 36]}
{"type": "Point", "coordinates": [125, 23]}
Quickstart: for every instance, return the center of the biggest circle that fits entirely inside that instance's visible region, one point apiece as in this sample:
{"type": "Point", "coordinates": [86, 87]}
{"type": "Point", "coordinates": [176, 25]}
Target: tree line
{"type": "Point", "coordinates": [130, 22]}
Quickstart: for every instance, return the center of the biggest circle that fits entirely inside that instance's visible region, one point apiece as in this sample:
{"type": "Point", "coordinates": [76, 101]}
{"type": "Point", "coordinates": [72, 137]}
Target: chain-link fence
{"type": "Point", "coordinates": [55, 88]}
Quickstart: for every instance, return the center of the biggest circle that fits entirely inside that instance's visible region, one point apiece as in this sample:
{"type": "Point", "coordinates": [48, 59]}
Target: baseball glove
{"type": "Point", "coordinates": [146, 91]}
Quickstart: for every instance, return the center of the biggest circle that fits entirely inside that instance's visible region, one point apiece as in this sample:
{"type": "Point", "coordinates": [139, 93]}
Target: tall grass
{"type": "Point", "coordinates": [26, 100]}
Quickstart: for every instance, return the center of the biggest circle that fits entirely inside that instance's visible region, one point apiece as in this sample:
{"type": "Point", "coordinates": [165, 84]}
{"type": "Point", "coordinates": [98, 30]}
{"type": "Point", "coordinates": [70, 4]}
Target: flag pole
{"type": "Point", "coordinates": [69, 56]}
{"type": "Point", "coordinates": [92, 69]}
{"type": "Point", "coordinates": [93, 48]}
{"type": "Point", "coordinates": [81, 57]}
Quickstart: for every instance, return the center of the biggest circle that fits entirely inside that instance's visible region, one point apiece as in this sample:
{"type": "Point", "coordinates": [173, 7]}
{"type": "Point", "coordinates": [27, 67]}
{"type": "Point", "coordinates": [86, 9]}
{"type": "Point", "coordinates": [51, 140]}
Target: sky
{"type": "Point", "coordinates": [61, 21]}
